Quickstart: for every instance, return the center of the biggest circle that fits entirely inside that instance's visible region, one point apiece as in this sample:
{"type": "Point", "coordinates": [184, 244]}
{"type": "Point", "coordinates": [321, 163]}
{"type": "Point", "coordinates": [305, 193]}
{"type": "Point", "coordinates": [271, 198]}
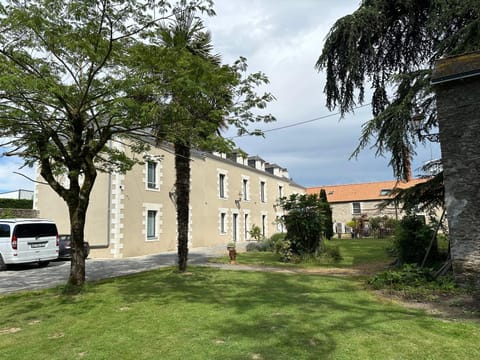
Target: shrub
{"type": "Point", "coordinates": [408, 274]}
{"type": "Point", "coordinates": [305, 222]}
{"type": "Point", "coordinates": [256, 233]}
{"type": "Point", "coordinates": [266, 244]}
{"type": "Point", "coordinates": [415, 282]}
{"type": "Point", "coordinates": [275, 238]}
{"type": "Point", "coordinates": [332, 252]}
{"type": "Point", "coordinates": [412, 238]}
{"type": "Point", "coordinates": [284, 249]}
{"type": "Point", "coordinates": [263, 245]}
{"type": "Point", "coordinates": [16, 204]}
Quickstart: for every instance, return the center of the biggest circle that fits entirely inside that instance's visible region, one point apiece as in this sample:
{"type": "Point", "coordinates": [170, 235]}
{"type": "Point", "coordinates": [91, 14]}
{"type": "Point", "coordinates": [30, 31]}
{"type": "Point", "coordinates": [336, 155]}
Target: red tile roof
{"type": "Point", "coordinates": [363, 192]}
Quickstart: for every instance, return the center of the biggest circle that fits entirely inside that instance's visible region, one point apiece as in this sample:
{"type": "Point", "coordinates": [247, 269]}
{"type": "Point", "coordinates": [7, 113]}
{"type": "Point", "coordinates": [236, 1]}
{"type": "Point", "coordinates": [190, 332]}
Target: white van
{"type": "Point", "coordinates": [27, 241]}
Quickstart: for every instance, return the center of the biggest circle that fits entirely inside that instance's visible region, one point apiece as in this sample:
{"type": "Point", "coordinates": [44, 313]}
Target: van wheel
{"type": "Point", "coordinates": [3, 266]}
{"type": "Point", "coordinates": [43, 263]}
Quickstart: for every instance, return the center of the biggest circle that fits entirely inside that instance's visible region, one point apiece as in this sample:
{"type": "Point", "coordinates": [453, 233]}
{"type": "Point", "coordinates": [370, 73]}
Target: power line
{"type": "Point", "coordinates": [301, 122]}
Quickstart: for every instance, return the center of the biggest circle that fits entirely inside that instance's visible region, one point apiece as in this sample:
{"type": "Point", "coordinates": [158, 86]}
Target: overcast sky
{"type": "Point", "coordinates": [283, 39]}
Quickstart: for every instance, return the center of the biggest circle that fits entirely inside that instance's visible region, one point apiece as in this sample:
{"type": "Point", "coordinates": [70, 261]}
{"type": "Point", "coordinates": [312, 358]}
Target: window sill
{"type": "Point", "coordinates": [152, 239]}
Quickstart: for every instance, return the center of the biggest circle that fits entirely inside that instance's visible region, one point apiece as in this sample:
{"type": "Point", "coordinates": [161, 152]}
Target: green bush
{"type": "Point", "coordinates": [266, 244]}
{"type": "Point", "coordinates": [256, 233]}
{"type": "Point", "coordinates": [407, 275]}
{"type": "Point", "coordinates": [284, 249]}
{"type": "Point", "coordinates": [305, 220]}
{"type": "Point", "coordinates": [332, 252]}
{"type": "Point", "coordinates": [259, 246]}
{"type": "Point", "coordinates": [275, 239]}
{"type": "Point", "coordinates": [16, 204]}
{"type": "Point", "coordinates": [413, 282]}
{"type": "Point", "coordinates": [412, 238]}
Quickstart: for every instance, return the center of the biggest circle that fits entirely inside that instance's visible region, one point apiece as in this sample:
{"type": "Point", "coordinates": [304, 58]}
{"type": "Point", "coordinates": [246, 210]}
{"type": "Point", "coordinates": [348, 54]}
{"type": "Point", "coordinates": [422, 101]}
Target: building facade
{"type": "Point", "coordinates": [134, 214]}
{"type": "Point", "coordinates": [361, 201]}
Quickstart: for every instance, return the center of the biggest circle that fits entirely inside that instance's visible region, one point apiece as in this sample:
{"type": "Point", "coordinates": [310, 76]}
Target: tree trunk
{"type": "Point", "coordinates": [77, 199]}
{"type": "Point", "coordinates": [77, 264]}
{"type": "Point", "coordinates": [182, 167]}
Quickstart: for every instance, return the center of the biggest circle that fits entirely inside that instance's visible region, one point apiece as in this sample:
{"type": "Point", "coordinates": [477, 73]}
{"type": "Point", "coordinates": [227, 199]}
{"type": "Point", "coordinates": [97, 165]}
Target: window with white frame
{"type": "Point", "coordinates": [280, 191]}
{"type": "Point", "coordinates": [245, 189]}
{"type": "Point", "coordinates": [152, 221]}
{"type": "Point", "coordinates": [245, 223]}
{"type": "Point", "coordinates": [223, 222]}
{"type": "Point", "coordinates": [221, 186]}
{"type": "Point", "coordinates": [152, 175]}
{"type": "Point", "coordinates": [263, 195]}
{"type": "Point", "coordinates": [235, 227]}
{"type": "Point", "coordinates": [264, 225]}
{"type": "Point", "coordinates": [356, 208]}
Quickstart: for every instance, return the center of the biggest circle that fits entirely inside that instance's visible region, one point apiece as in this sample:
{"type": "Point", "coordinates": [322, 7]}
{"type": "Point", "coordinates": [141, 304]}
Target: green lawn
{"type": "Point", "coordinates": [220, 314]}
{"type": "Point", "coordinates": [355, 252]}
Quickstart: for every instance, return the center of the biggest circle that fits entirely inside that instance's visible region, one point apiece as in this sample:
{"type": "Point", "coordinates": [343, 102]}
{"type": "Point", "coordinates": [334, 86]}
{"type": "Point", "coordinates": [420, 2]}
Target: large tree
{"type": "Point", "coordinates": [203, 97]}
{"type": "Point", "coordinates": [306, 222]}
{"type": "Point", "coordinates": [199, 92]}
{"type": "Point", "coordinates": [67, 91]}
{"type": "Point", "coordinates": [392, 46]}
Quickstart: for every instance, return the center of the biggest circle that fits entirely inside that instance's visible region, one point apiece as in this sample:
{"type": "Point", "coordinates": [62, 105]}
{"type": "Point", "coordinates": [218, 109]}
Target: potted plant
{"type": "Point", "coordinates": [232, 252]}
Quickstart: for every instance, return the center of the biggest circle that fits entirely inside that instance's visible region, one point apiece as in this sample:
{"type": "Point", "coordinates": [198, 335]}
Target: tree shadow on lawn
{"type": "Point", "coordinates": [263, 313]}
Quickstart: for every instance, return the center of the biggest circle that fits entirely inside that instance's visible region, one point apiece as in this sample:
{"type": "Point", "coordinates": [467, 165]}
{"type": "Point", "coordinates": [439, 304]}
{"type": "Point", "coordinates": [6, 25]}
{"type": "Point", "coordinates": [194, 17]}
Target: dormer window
{"type": "Point", "coordinates": [385, 192]}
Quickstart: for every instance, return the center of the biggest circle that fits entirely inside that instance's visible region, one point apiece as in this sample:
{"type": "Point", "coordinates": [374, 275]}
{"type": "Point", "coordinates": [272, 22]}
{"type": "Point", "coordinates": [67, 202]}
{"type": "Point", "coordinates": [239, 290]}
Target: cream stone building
{"type": "Point", "coordinates": [362, 200]}
{"type": "Point", "coordinates": [134, 214]}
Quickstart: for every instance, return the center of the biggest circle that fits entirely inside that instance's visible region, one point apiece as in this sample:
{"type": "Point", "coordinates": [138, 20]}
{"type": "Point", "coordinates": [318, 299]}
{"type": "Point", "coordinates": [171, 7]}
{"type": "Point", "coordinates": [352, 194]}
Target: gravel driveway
{"type": "Point", "coordinates": [31, 277]}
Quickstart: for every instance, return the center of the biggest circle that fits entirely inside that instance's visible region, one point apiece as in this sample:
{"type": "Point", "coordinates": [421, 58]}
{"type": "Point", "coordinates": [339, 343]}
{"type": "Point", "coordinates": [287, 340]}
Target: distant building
{"type": "Point", "coordinates": [18, 194]}
{"type": "Point", "coordinates": [361, 200]}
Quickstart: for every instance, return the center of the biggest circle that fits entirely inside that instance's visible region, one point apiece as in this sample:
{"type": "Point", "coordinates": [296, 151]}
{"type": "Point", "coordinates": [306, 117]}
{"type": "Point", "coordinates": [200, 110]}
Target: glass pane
{"type": "Point", "coordinates": [151, 176]}
{"type": "Point", "coordinates": [151, 217]}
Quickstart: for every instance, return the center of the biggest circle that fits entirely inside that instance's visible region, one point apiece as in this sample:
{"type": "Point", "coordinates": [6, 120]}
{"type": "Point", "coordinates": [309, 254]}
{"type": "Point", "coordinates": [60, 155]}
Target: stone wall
{"type": "Point", "coordinates": [457, 85]}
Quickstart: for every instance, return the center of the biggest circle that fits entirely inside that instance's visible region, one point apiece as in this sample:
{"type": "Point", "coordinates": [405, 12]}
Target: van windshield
{"type": "Point", "coordinates": [34, 230]}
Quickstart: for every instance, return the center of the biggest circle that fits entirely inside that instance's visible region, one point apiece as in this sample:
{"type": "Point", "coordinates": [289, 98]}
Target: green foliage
{"type": "Point", "coordinates": [256, 233]}
{"type": "Point", "coordinates": [16, 204]}
{"type": "Point", "coordinates": [412, 238]}
{"type": "Point", "coordinates": [284, 249]}
{"type": "Point", "coordinates": [414, 282]}
{"type": "Point", "coordinates": [7, 214]}
{"type": "Point", "coordinates": [374, 224]}
{"type": "Point", "coordinates": [305, 222]}
{"type": "Point", "coordinates": [391, 46]}
{"type": "Point", "coordinates": [266, 244]}
{"type": "Point", "coordinates": [85, 78]}
{"type": "Point", "coordinates": [382, 226]}
{"type": "Point", "coordinates": [328, 222]}
{"type": "Point", "coordinates": [275, 238]}
{"type": "Point", "coordinates": [332, 252]}
{"type": "Point", "coordinates": [408, 274]}
{"type": "Point", "coordinates": [68, 91]}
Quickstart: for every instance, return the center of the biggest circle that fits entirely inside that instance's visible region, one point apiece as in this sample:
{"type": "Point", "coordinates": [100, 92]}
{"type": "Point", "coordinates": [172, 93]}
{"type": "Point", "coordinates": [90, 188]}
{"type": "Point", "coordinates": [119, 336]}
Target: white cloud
{"type": "Point", "coordinates": [10, 180]}
{"type": "Point", "coordinates": [284, 39]}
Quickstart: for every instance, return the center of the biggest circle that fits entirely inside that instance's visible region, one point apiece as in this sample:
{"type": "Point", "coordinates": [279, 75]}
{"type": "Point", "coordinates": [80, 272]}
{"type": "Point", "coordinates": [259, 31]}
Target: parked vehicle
{"type": "Point", "coordinates": [27, 241]}
{"type": "Point", "coordinates": [65, 247]}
